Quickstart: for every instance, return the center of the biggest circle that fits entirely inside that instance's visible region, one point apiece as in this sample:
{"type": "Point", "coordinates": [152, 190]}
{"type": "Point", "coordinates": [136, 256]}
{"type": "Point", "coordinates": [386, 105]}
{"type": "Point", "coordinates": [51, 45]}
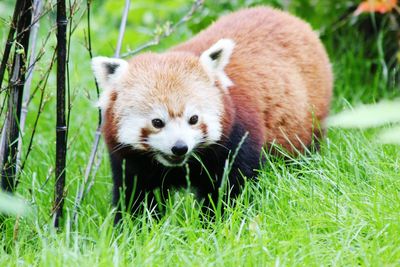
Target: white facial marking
{"type": "Point", "coordinates": [131, 125]}
{"type": "Point", "coordinates": [129, 130]}
{"type": "Point", "coordinates": [214, 128]}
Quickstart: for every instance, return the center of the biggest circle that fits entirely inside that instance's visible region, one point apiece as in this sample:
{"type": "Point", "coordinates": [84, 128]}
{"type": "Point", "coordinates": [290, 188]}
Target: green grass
{"type": "Point", "coordinates": [338, 207]}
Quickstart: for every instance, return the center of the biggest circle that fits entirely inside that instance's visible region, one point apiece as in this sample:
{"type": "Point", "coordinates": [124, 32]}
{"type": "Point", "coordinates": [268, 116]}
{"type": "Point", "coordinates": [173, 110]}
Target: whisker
{"type": "Point", "coordinates": [119, 147]}
{"type": "Point", "coordinates": [205, 144]}
{"type": "Point", "coordinates": [131, 145]}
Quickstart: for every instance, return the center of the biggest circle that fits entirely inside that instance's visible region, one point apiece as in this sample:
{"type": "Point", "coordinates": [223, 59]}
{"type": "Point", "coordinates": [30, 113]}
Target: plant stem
{"type": "Point", "coordinates": [37, 8]}
{"type": "Point", "coordinates": [95, 146]}
{"type": "Point", "coordinates": [16, 88]}
{"type": "Point", "coordinates": [61, 128]}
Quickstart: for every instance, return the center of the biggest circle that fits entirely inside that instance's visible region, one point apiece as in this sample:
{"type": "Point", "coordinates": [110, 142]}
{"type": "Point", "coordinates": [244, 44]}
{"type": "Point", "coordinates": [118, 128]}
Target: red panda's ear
{"type": "Point", "coordinates": [216, 58]}
{"type": "Point", "coordinates": [108, 71]}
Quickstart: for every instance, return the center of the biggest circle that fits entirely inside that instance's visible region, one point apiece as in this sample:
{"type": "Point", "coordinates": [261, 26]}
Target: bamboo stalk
{"type": "Point", "coordinates": [61, 128]}
{"type": "Point", "coordinates": [3, 138]}
{"type": "Point", "coordinates": [42, 84]}
{"type": "Point", "coordinates": [37, 8]}
{"type": "Point", "coordinates": [16, 87]}
{"type": "Point", "coordinates": [3, 66]}
{"type": "Point", "coordinates": [10, 39]}
{"type": "Point", "coordinates": [122, 28]}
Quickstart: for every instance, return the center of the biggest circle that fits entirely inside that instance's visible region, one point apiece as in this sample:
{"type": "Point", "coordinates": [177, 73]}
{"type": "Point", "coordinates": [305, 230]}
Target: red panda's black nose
{"type": "Point", "coordinates": [180, 148]}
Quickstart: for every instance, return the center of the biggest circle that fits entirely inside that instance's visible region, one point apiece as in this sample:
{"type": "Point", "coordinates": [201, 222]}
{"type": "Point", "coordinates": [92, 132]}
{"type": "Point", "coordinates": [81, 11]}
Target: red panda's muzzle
{"type": "Point", "coordinates": [171, 160]}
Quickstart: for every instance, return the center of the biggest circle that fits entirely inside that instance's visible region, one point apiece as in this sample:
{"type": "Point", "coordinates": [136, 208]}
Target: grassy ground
{"type": "Point", "coordinates": [338, 207]}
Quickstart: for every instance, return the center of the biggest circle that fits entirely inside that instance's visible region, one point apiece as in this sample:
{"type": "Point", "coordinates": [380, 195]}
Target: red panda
{"type": "Point", "coordinates": [258, 71]}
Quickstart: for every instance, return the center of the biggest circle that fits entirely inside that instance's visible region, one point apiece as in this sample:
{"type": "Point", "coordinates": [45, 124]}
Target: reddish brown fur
{"type": "Point", "coordinates": [110, 123]}
{"type": "Point", "coordinates": [282, 83]}
{"type": "Point", "coordinates": [281, 73]}
{"type": "Point", "coordinates": [204, 129]}
{"type": "Point", "coordinates": [143, 137]}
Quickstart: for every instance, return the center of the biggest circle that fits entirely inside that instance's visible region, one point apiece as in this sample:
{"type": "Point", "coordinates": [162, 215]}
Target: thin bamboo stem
{"type": "Point", "coordinates": [10, 39]}
{"type": "Point", "coordinates": [93, 152]}
{"type": "Point", "coordinates": [61, 128]}
{"type": "Point", "coordinates": [16, 88]}
{"type": "Point", "coordinates": [37, 8]}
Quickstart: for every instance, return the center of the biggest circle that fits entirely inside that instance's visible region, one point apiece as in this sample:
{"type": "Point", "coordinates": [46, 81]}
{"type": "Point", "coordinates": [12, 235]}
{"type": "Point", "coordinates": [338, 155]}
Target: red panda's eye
{"type": "Point", "coordinates": [157, 123]}
{"type": "Point", "coordinates": [193, 120]}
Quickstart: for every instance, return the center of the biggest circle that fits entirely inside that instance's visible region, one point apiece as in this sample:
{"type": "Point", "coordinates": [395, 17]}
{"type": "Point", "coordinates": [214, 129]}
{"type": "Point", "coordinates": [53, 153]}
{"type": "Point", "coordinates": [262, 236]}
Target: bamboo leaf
{"type": "Point", "coordinates": [366, 116]}
{"type": "Point", "coordinates": [390, 136]}
{"type": "Point", "coordinates": [12, 205]}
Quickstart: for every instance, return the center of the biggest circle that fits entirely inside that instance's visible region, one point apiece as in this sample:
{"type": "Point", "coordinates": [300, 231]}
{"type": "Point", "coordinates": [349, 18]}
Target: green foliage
{"type": "Point", "coordinates": [366, 116]}
{"type": "Point", "coordinates": [12, 205]}
{"type": "Point", "coordinates": [339, 207]}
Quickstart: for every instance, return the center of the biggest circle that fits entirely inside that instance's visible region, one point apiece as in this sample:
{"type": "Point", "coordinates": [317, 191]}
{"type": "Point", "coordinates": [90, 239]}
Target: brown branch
{"type": "Point", "coordinates": [28, 28]}
{"type": "Point", "coordinates": [72, 8]}
{"type": "Point", "coordinates": [171, 28]}
{"type": "Point", "coordinates": [3, 105]}
{"type": "Point", "coordinates": [3, 139]}
{"type": "Point", "coordinates": [29, 70]}
{"type": "Point", "coordinates": [16, 87]}
{"type": "Point", "coordinates": [40, 109]}
{"type": "Point", "coordinates": [10, 39]}
{"type": "Point", "coordinates": [89, 49]}
{"type": "Point", "coordinates": [37, 7]}
{"type": "Point", "coordinates": [61, 127]}
{"type": "Point", "coordinates": [38, 58]}
{"type": "Point", "coordinates": [43, 79]}
{"type": "Point", "coordinates": [3, 66]}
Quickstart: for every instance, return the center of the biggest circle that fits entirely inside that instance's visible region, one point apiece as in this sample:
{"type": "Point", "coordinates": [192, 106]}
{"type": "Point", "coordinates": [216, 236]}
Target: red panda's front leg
{"type": "Point", "coordinates": [117, 175]}
{"type": "Point", "coordinates": [129, 188]}
{"type": "Point", "coordinates": [230, 168]}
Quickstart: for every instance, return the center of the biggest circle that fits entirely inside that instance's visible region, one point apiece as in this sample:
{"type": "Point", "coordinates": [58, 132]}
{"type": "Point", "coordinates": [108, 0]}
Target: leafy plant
{"type": "Point", "coordinates": [12, 205]}
{"type": "Point", "coordinates": [369, 116]}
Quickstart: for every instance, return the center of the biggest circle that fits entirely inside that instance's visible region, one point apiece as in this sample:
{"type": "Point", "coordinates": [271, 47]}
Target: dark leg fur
{"type": "Point", "coordinates": [129, 191]}
{"type": "Point", "coordinates": [243, 165]}
{"type": "Point", "coordinates": [116, 168]}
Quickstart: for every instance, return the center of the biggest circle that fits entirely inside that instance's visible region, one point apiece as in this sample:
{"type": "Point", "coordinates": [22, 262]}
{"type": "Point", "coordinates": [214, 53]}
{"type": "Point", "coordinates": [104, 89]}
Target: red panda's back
{"type": "Point", "coordinates": [279, 69]}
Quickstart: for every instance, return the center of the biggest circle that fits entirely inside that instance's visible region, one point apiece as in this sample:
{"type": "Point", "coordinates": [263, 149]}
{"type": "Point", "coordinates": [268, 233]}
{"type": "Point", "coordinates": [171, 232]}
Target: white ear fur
{"type": "Point", "coordinates": [215, 59]}
{"type": "Point", "coordinates": [108, 71]}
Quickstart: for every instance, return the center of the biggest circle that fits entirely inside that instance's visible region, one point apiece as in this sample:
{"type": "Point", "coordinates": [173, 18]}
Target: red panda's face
{"type": "Point", "coordinates": [167, 105]}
